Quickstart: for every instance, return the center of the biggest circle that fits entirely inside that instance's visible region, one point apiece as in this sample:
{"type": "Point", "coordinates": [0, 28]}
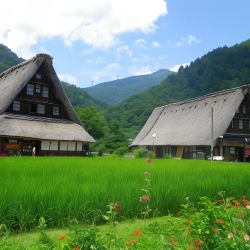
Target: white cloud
{"type": "Point", "coordinates": [156, 44]}
{"type": "Point", "coordinates": [96, 23]}
{"type": "Point", "coordinates": [188, 40]}
{"type": "Point", "coordinates": [140, 43]}
{"type": "Point", "coordinates": [68, 78]}
{"type": "Point", "coordinates": [175, 68]}
{"type": "Point", "coordinates": [123, 50]}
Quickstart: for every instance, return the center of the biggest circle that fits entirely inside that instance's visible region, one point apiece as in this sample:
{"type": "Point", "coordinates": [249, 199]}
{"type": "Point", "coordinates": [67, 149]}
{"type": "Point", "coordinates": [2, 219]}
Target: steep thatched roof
{"type": "Point", "coordinates": [13, 80]}
{"type": "Point", "coordinates": [189, 122]}
{"type": "Point", "coordinates": [42, 128]}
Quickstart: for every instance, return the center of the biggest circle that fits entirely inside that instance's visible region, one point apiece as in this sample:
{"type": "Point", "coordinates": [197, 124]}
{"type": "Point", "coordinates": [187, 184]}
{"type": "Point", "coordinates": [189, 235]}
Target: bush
{"type": "Point", "coordinates": [140, 152]}
{"type": "Point", "coordinates": [151, 155]}
{"type": "Point", "coordinates": [121, 151]}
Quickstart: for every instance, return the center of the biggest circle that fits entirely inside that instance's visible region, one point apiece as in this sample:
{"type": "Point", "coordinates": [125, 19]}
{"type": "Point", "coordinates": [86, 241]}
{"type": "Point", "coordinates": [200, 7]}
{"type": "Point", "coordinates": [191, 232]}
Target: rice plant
{"type": "Point", "coordinates": [66, 190]}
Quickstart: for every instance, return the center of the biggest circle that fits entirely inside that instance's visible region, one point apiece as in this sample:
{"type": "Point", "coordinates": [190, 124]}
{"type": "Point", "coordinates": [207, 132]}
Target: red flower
{"type": "Point", "coordinates": [220, 221]}
{"type": "Point", "coordinates": [245, 203]}
{"type": "Point", "coordinates": [144, 198]}
{"type": "Point", "coordinates": [61, 237]}
{"type": "Point", "coordinates": [149, 161]}
{"type": "Point", "coordinates": [230, 235]}
{"type": "Point", "coordinates": [131, 242]}
{"type": "Point", "coordinates": [214, 228]}
{"type": "Point", "coordinates": [198, 242]}
{"type": "Point", "coordinates": [191, 247]}
{"type": "Point", "coordinates": [235, 203]}
{"type": "Point", "coordinates": [137, 232]}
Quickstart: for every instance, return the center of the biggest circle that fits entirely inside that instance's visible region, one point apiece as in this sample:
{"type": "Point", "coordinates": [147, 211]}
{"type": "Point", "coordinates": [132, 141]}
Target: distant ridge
{"type": "Point", "coordinates": [113, 92]}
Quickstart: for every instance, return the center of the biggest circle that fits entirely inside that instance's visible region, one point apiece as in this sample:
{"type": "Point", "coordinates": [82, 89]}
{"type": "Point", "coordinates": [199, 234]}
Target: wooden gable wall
{"type": "Point", "coordinates": [242, 116]}
{"type": "Point", "coordinates": [28, 102]}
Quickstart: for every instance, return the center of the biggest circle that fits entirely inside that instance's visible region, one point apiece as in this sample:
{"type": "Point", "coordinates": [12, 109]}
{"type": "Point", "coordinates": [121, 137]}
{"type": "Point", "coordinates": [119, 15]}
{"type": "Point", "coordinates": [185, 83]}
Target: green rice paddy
{"type": "Point", "coordinates": [66, 190]}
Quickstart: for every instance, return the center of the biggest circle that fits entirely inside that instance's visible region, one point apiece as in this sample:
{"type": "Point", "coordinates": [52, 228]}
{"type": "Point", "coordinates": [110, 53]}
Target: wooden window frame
{"type": "Point", "coordinates": [16, 106]}
{"type": "Point", "coordinates": [30, 89]}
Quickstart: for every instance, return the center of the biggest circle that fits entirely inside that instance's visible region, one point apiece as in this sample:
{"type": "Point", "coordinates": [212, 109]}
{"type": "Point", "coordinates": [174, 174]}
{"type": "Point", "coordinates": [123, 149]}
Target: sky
{"type": "Point", "coordinates": [102, 40]}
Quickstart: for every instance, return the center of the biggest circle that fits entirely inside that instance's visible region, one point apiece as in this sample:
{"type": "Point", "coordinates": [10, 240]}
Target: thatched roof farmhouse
{"type": "Point", "coordinates": [187, 129]}
{"type": "Point", "coordinates": [36, 117]}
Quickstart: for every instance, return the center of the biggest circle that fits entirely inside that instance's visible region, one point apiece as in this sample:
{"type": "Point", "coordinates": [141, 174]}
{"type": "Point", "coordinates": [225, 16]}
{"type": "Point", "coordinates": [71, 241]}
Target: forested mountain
{"type": "Point", "coordinates": [80, 98]}
{"type": "Point", "coordinates": [220, 69]}
{"type": "Point", "coordinates": [114, 92]}
{"type": "Point", "coordinates": [8, 58]}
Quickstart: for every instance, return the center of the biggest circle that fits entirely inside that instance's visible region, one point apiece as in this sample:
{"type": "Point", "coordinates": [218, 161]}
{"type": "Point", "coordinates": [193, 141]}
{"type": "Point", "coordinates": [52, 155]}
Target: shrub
{"type": "Point", "coordinates": [151, 155]}
{"type": "Point", "coordinates": [121, 151]}
{"type": "Point", "coordinates": [140, 152]}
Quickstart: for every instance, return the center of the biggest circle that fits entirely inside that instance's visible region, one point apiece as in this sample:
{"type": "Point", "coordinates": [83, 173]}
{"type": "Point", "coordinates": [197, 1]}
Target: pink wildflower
{"type": "Point", "coordinates": [144, 198]}
{"type": "Point", "coordinates": [230, 235]}
{"type": "Point", "coordinates": [246, 237]}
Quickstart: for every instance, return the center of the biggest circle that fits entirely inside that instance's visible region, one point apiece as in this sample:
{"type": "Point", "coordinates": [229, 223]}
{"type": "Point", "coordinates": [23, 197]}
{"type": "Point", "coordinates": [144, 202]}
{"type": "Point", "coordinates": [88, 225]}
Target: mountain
{"type": "Point", "coordinates": [77, 96]}
{"type": "Point", "coordinates": [80, 98]}
{"type": "Point", "coordinates": [114, 92]}
{"type": "Point", "coordinates": [220, 69]}
{"type": "Point", "coordinates": [8, 58]}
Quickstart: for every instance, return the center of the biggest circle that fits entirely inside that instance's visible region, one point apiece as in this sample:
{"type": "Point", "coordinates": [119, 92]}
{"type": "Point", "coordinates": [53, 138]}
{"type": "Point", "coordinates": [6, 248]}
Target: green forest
{"type": "Point", "coordinates": [115, 126]}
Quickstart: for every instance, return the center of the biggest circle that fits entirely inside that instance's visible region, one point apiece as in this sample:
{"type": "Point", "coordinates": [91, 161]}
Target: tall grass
{"type": "Point", "coordinates": [64, 190]}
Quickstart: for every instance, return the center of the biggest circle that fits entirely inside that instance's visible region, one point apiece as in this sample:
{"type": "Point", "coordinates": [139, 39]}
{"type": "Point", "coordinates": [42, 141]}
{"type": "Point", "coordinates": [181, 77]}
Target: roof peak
{"type": "Point", "coordinates": [202, 97]}
{"type": "Point", "coordinates": [41, 56]}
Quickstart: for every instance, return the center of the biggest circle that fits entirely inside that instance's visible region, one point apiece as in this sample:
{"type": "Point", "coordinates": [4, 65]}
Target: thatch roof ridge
{"type": "Point", "coordinates": [202, 97]}
{"type": "Point", "coordinates": [15, 67]}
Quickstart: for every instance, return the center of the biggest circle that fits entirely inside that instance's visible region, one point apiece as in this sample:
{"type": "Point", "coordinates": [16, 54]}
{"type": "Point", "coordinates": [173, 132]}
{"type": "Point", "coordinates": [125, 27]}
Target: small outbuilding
{"type": "Point", "coordinates": [36, 117]}
{"type": "Point", "coordinates": [189, 129]}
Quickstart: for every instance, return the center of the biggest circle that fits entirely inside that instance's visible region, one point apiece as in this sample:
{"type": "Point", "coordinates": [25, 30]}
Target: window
{"type": "Point", "coordinates": [55, 110]}
{"type": "Point", "coordinates": [40, 109]}
{"type": "Point", "coordinates": [53, 145]}
{"type": "Point", "coordinates": [16, 106]}
{"type": "Point", "coordinates": [33, 108]}
{"type": "Point", "coordinates": [30, 89]}
{"type": "Point", "coordinates": [79, 146]}
{"type": "Point", "coordinates": [45, 92]}
{"type": "Point", "coordinates": [45, 145]}
{"type": "Point", "coordinates": [232, 150]}
{"type": "Point", "coordinates": [38, 76]}
{"type": "Point", "coordinates": [38, 88]}
{"type": "Point", "coordinates": [244, 109]}
{"type": "Point", "coordinates": [240, 124]}
{"type": "Point", "coordinates": [63, 146]}
{"type": "Point", "coordinates": [71, 146]}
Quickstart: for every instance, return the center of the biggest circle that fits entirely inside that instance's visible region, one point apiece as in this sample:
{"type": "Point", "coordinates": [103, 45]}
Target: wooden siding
{"type": "Point", "coordinates": [37, 98]}
{"type": "Point", "coordinates": [241, 115]}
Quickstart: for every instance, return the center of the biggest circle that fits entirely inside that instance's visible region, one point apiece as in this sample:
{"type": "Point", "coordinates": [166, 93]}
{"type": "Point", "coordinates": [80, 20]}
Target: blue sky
{"type": "Point", "coordinates": [140, 37]}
